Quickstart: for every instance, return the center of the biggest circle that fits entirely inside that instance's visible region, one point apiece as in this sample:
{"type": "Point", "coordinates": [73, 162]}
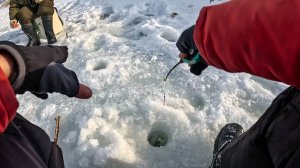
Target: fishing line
{"type": "Point", "coordinates": [165, 80]}
{"type": "Point", "coordinates": [191, 60]}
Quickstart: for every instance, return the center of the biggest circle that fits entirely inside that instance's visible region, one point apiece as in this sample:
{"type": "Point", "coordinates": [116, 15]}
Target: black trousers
{"type": "Point", "coordinates": [273, 141]}
{"type": "Point", "coordinates": [25, 145]}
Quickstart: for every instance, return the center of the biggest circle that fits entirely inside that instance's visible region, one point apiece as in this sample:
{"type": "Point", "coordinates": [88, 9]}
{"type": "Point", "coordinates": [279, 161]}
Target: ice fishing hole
{"type": "Point", "coordinates": [101, 65]}
{"type": "Point", "coordinates": [198, 102]}
{"type": "Point", "coordinates": [158, 135]}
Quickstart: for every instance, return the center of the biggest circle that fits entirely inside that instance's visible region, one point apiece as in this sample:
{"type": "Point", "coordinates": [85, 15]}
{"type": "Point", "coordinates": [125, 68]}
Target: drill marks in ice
{"type": "Point", "coordinates": [105, 142]}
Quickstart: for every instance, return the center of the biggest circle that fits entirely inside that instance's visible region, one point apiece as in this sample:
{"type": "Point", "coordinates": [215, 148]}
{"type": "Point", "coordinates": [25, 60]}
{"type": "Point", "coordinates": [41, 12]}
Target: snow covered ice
{"type": "Point", "coordinates": [123, 50]}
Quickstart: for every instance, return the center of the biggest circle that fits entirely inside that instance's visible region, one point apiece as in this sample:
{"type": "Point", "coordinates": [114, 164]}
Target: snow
{"type": "Point", "coordinates": [123, 50]}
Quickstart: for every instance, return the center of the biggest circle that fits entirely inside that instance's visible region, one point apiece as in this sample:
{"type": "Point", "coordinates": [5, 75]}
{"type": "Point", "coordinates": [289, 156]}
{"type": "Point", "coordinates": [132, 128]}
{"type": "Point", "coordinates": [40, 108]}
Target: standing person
{"type": "Point", "coordinates": [25, 11]}
{"type": "Point", "coordinates": [260, 38]}
{"type": "Point", "coordinates": [39, 70]}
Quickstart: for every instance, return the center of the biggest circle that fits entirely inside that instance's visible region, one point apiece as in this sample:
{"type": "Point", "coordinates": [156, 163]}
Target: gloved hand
{"type": "Point", "coordinates": [39, 70]}
{"type": "Point", "coordinates": [188, 50]}
{"type": "Point", "coordinates": [38, 1]}
{"type": "Point", "coordinates": [186, 44]}
{"type": "Point", "coordinates": [37, 61]}
{"type": "Point", "coordinates": [56, 78]}
{"type": "Point", "coordinates": [14, 23]}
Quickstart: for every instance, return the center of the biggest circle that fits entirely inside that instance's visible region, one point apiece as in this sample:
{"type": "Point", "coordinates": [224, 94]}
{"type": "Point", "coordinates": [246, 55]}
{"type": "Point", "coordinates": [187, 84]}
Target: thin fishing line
{"type": "Point", "coordinates": [165, 80]}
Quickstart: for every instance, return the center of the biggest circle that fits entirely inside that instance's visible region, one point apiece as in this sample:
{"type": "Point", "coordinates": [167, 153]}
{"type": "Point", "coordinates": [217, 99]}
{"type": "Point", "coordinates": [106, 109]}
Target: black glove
{"type": "Point", "coordinates": [186, 45]}
{"type": "Point", "coordinates": [30, 63]}
{"type": "Point", "coordinates": [36, 59]}
{"type": "Point", "coordinates": [198, 68]}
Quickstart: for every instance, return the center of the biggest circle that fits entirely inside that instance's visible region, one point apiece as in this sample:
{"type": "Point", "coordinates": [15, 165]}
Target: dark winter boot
{"type": "Point", "coordinates": [227, 134]}
{"type": "Point", "coordinates": [31, 34]}
{"type": "Point", "coordinates": [48, 27]}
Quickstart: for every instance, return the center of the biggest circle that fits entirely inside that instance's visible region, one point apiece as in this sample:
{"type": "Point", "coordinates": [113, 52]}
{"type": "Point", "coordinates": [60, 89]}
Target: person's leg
{"type": "Point", "coordinates": [272, 141]}
{"type": "Point", "coordinates": [26, 16]}
{"type": "Point", "coordinates": [23, 144]}
{"type": "Point", "coordinates": [46, 10]}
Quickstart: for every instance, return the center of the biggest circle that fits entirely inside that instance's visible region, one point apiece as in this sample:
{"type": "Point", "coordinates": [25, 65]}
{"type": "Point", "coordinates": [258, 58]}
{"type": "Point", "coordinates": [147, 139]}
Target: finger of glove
{"type": "Point", "coordinates": [198, 68]}
{"type": "Point", "coordinates": [40, 95]}
{"type": "Point", "coordinates": [59, 79]}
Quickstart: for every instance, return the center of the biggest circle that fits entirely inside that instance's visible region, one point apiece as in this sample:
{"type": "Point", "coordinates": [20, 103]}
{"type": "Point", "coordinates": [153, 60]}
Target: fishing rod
{"type": "Point", "coordinates": [180, 61]}
{"type": "Point", "coordinates": [189, 60]}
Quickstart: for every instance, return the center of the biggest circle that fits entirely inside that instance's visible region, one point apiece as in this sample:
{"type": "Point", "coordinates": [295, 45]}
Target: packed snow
{"type": "Point", "coordinates": [123, 50]}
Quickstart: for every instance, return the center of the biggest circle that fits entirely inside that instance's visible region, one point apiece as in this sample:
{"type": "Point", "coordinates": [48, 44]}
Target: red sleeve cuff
{"type": "Point", "coordinates": [8, 102]}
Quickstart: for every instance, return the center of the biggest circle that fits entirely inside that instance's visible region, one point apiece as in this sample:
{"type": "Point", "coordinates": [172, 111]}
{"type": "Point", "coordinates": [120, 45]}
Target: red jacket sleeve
{"type": "Point", "coordinates": [8, 102]}
{"type": "Point", "coordinates": [254, 36]}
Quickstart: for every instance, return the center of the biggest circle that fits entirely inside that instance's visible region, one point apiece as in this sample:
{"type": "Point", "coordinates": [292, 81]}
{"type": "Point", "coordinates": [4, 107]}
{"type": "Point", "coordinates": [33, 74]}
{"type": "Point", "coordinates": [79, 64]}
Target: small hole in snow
{"type": "Point", "coordinates": [101, 65]}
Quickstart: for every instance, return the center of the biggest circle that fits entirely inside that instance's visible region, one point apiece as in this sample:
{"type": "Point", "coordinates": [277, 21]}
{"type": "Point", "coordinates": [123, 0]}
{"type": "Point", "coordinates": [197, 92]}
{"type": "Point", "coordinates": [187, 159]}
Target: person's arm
{"type": "Point", "coordinates": [14, 9]}
{"type": "Point", "coordinates": [39, 70]}
{"type": "Point", "coordinates": [256, 37]}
